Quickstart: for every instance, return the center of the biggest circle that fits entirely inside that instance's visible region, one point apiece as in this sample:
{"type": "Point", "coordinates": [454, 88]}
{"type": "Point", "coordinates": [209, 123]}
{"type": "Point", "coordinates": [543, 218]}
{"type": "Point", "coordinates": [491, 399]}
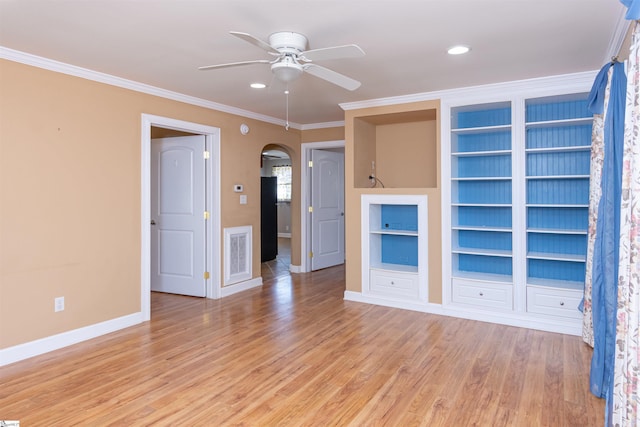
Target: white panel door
{"type": "Point", "coordinates": [327, 218]}
{"type": "Point", "coordinates": [177, 215]}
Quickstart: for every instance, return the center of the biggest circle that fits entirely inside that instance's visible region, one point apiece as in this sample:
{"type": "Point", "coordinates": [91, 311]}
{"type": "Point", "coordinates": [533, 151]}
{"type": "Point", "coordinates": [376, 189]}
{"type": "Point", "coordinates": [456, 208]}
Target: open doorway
{"type": "Point", "coordinates": [212, 204]}
{"type": "Point", "coordinates": [276, 185]}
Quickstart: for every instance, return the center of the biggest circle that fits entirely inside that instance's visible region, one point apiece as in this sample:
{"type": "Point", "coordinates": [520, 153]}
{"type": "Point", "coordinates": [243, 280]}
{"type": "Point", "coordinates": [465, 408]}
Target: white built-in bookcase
{"type": "Point", "coordinates": [518, 189]}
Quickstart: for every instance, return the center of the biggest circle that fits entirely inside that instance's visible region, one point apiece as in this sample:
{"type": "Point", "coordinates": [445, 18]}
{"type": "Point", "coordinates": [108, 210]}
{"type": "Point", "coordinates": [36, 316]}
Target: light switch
{"type": "Point", "coordinates": [243, 199]}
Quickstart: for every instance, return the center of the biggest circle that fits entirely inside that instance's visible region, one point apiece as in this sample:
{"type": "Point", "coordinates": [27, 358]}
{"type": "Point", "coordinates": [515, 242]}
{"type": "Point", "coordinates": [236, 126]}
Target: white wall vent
{"type": "Point", "coordinates": [237, 254]}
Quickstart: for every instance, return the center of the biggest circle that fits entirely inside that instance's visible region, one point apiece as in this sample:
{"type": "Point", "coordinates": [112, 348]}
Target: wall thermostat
{"type": "Point", "coordinates": [238, 188]}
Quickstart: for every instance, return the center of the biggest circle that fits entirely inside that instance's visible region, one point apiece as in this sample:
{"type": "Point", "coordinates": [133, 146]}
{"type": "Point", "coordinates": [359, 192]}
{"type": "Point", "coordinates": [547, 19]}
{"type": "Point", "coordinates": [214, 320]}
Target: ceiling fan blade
{"type": "Point", "coordinates": [332, 76]}
{"type": "Point", "coordinates": [234, 64]}
{"type": "Point", "coordinates": [336, 52]}
{"type": "Point", "coordinates": [255, 41]}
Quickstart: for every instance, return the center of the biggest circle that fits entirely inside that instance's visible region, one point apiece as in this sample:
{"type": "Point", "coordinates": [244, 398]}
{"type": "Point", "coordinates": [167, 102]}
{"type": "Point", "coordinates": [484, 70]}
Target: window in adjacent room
{"type": "Point", "coordinates": [284, 182]}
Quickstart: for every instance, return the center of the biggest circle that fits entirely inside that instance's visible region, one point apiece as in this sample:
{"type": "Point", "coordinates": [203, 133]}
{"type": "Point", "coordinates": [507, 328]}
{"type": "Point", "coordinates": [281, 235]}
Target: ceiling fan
{"type": "Point", "coordinates": [291, 58]}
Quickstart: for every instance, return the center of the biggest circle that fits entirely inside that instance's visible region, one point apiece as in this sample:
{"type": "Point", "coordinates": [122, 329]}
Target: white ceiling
{"type": "Point", "coordinates": [163, 42]}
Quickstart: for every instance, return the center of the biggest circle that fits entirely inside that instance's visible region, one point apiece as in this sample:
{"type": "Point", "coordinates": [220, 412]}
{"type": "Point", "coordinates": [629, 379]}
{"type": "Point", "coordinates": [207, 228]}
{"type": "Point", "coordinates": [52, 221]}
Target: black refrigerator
{"type": "Point", "coordinates": [269, 218]}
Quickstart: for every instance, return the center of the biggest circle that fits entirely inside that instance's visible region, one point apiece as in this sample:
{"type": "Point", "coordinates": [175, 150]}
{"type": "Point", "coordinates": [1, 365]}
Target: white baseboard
{"type": "Point", "coordinates": [523, 320]}
{"type": "Point", "coordinates": [58, 341]}
{"type": "Point", "coordinates": [295, 268]}
{"type": "Point", "coordinates": [239, 287]}
{"type": "Point", "coordinates": [285, 235]}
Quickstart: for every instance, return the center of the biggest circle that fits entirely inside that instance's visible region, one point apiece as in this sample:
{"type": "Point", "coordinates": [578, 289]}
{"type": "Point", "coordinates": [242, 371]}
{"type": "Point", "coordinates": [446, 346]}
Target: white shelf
{"type": "Point", "coordinates": [481, 228]}
{"type": "Point", "coordinates": [483, 129]}
{"type": "Point", "coordinates": [539, 205]}
{"type": "Point", "coordinates": [555, 231]}
{"type": "Point", "coordinates": [554, 284]}
{"type": "Point", "coordinates": [483, 178]}
{"type": "Point", "coordinates": [482, 153]}
{"type": "Point", "coordinates": [393, 267]}
{"type": "Point", "coordinates": [483, 205]}
{"type": "Point", "coordinates": [557, 176]}
{"type": "Point", "coordinates": [482, 277]}
{"type": "Point", "coordinates": [560, 123]}
{"type": "Point", "coordinates": [394, 232]}
{"type": "Point", "coordinates": [482, 251]}
{"type": "Point", "coordinates": [556, 257]}
{"type": "Point", "coordinates": [562, 149]}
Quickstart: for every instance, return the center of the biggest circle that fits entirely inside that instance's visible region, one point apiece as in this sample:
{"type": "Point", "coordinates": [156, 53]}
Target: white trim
{"type": "Point", "coordinates": [619, 34]}
{"type": "Point", "coordinates": [96, 76]}
{"type": "Point", "coordinates": [305, 187]}
{"type": "Point", "coordinates": [284, 235]}
{"type": "Point", "coordinates": [64, 339]}
{"type": "Point", "coordinates": [550, 84]}
{"type": "Point", "coordinates": [295, 268]}
{"type": "Point", "coordinates": [324, 125]}
{"type": "Point", "coordinates": [547, 324]}
{"type": "Point", "coordinates": [242, 286]}
{"type": "Point", "coordinates": [213, 263]}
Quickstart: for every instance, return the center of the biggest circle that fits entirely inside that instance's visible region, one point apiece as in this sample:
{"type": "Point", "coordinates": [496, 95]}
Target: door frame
{"type": "Point", "coordinates": [212, 204]}
{"type": "Point", "coordinates": [305, 186]}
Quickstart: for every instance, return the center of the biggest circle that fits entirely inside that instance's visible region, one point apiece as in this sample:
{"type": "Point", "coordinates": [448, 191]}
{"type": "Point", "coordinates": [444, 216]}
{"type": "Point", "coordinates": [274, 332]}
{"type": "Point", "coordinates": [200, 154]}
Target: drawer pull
{"type": "Point", "coordinates": [392, 282]}
{"type": "Point", "coordinates": [561, 303]}
{"type": "Point", "coordinates": [481, 294]}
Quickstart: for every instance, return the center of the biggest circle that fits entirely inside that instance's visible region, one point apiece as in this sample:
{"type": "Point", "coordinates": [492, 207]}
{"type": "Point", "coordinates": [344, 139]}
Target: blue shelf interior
{"type": "Point", "coordinates": [556, 270]}
{"type": "Point", "coordinates": [555, 108]}
{"type": "Point", "coordinates": [497, 240]}
{"type": "Point", "coordinates": [559, 136]}
{"type": "Point", "coordinates": [571, 219]}
{"type": "Point", "coordinates": [480, 216]}
{"type": "Point", "coordinates": [483, 117]}
{"type": "Point", "coordinates": [482, 141]}
{"type": "Point", "coordinates": [484, 166]}
{"type": "Point", "coordinates": [485, 264]}
{"type": "Point", "coordinates": [551, 180]}
{"type": "Point", "coordinates": [572, 244]}
{"type": "Point", "coordinates": [397, 249]}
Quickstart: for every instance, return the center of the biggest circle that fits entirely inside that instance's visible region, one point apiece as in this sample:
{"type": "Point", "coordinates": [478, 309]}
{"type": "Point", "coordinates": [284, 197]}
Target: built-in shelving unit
{"type": "Point", "coordinates": [558, 150]}
{"type": "Point", "coordinates": [481, 201]}
{"type": "Point", "coordinates": [519, 204]}
{"type": "Point", "coordinates": [394, 246]}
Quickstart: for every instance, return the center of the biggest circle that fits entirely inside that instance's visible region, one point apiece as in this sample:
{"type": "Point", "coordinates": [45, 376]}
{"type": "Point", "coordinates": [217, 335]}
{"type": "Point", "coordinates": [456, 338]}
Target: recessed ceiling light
{"type": "Point", "coordinates": [258, 85]}
{"type": "Point", "coordinates": [458, 50]}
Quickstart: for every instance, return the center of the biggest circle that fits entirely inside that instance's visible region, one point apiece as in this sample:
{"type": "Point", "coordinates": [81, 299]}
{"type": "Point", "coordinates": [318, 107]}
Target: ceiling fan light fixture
{"type": "Point", "coordinates": [458, 50]}
{"type": "Point", "coordinates": [286, 71]}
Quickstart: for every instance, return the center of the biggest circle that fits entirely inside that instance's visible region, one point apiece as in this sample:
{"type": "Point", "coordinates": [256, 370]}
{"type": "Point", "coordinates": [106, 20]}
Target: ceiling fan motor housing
{"type": "Point", "coordinates": [288, 42]}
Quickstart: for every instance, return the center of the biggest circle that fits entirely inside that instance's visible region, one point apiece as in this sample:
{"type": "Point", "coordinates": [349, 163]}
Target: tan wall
{"type": "Point", "coordinates": [323, 134]}
{"type": "Point", "coordinates": [359, 133]}
{"type": "Point", "coordinates": [406, 154]}
{"type": "Point", "coordinates": [70, 196]}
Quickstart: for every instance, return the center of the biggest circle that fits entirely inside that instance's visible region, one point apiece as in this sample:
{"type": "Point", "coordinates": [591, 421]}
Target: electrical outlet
{"type": "Point", "coordinates": [59, 304]}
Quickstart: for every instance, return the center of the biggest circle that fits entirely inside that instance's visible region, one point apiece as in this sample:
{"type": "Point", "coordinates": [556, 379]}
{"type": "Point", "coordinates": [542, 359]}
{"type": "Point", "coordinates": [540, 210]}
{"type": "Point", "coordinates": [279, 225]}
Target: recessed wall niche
{"type": "Point", "coordinates": [399, 149]}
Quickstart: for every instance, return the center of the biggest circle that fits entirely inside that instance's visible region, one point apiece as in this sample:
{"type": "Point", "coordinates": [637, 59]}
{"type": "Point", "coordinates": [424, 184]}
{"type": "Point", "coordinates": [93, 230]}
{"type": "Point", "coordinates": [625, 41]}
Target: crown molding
{"type": "Point", "coordinates": [84, 73]}
{"type": "Point", "coordinates": [324, 125]}
{"type": "Point", "coordinates": [539, 86]}
{"type": "Point", "coordinates": [619, 34]}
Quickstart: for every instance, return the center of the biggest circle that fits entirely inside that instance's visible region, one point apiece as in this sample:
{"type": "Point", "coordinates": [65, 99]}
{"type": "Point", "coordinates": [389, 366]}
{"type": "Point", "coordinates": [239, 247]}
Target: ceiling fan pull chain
{"type": "Point", "coordinates": [286, 93]}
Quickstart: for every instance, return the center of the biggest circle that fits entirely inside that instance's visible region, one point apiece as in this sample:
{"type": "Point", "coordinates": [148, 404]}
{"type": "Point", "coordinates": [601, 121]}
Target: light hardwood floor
{"type": "Point", "coordinates": [295, 353]}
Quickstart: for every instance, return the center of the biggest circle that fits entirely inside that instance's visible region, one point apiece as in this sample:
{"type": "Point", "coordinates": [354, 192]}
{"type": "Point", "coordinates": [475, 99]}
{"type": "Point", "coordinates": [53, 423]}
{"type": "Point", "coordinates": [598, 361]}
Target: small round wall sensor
{"type": "Point", "coordinates": [244, 129]}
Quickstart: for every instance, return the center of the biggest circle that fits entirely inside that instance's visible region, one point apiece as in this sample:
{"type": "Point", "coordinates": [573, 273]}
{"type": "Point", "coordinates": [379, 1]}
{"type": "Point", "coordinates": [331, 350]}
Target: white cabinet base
{"type": "Point", "coordinates": [483, 294]}
{"type": "Point", "coordinates": [555, 302]}
{"type": "Point", "coordinates": [394, 284]}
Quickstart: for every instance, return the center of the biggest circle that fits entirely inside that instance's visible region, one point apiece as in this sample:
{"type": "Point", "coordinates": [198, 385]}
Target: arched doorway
{"type": "Point", "coordinates": [276, 189]}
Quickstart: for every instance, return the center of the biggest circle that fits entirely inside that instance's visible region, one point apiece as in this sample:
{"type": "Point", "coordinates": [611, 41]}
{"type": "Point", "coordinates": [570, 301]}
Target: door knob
{"type": "Point", "coordinates": [153, 222]}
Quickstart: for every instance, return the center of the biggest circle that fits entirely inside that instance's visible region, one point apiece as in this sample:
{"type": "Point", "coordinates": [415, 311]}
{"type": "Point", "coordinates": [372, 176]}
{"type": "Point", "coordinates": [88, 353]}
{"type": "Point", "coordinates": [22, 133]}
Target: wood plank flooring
{"type": "Point", "coordinates": [295, 353]}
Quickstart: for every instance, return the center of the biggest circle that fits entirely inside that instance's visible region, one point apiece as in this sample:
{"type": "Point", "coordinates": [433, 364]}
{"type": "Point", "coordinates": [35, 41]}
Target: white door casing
{"type": "Point", "coordinates": [327, 200]}
{"type": "Point", "coordinates": [178, 244]}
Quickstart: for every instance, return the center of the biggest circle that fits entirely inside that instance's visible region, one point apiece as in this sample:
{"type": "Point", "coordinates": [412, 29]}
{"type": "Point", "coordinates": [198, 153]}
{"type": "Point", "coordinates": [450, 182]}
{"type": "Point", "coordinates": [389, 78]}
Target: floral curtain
{"type": "Point", "coordinates": [611, 306]}
{"type": "Point", "coordinates": [625, 408]}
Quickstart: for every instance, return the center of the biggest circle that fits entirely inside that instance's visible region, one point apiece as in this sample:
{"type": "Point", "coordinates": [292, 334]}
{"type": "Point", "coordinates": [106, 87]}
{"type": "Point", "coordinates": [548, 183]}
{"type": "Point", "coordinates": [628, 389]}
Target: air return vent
{"type": "Point", "coordinates": [237, 254]}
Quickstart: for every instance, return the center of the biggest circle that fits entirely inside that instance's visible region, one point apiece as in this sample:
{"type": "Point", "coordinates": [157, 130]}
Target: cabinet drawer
{"type": "Point", "coordinates": [494, 295]}
{"type": "Point", "coordinates": [393, 283]}
{"type": "Point", "coordinates": [556, 302]}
